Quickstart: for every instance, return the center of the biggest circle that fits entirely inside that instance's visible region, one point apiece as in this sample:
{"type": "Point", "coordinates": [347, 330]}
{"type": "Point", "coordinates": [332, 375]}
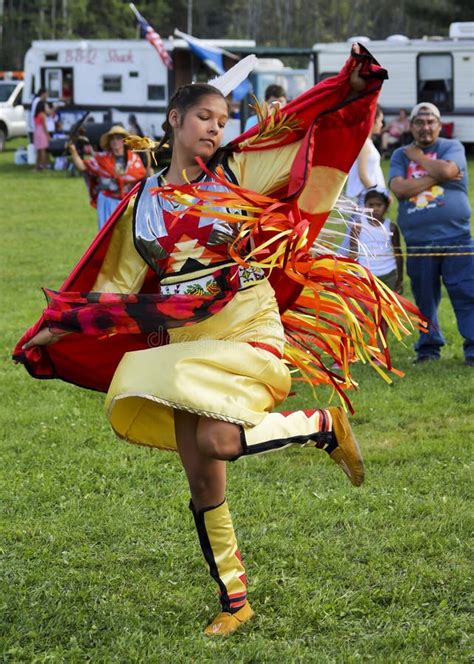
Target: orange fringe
{"type": "Point", "coordinates": [342, 310]}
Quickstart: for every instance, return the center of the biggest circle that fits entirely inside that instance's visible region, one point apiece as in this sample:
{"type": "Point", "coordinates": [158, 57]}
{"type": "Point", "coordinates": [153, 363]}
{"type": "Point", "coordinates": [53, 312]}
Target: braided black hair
{"type": "Point", "coordinates": [182, 100]}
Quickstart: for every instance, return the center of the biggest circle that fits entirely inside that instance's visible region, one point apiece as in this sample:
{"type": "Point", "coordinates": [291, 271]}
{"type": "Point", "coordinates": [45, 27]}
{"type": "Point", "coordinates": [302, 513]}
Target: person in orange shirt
{"type": "Point", "coordinates": [111, 174]}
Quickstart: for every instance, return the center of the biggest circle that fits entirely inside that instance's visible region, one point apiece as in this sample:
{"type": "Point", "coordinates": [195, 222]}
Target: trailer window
{"type": "Point", "coordinates": [435, 80]}
{"type": "Point", "coordinates": [111, 83]}
{"type": "Point", "coordinates": [156, 92]}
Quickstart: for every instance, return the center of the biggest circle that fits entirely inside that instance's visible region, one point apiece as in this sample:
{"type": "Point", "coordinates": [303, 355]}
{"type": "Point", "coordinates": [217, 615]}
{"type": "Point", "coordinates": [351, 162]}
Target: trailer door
{"type": "Point", "coordinates": [435, 79]}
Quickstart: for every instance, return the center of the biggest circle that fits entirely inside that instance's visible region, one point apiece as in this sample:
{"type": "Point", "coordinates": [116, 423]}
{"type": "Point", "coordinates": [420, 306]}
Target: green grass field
{"type": "Point", "coordinates": [100, 561]}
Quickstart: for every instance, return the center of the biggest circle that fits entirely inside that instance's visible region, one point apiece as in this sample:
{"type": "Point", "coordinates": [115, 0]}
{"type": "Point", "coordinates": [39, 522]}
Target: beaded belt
{"type": "Point", "coordinates": [207, 284]}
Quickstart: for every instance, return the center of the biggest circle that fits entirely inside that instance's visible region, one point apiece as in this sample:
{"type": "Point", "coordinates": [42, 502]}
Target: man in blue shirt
{"type": "Point", "coordinates": [429, 178]}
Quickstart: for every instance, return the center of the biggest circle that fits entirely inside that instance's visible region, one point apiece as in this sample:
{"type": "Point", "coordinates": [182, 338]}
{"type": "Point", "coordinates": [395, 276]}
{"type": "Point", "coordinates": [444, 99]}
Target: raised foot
{"type": "Point", "coordinates": [347, 453]}
{"type": "Point", "coordinates": [226, 623]}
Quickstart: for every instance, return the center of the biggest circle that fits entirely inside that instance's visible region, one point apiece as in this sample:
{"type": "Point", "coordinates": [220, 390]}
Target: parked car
{"type": "Point", "coordinates": [12, 112]}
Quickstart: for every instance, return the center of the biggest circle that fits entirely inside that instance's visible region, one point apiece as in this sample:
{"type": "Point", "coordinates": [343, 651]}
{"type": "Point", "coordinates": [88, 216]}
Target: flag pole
{"type": "Point", "coordinates": [190, 17]}
{"type": "Point", "coordinates": [134, 10]}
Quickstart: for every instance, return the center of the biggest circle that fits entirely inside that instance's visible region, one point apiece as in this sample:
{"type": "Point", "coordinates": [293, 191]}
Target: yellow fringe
{"type": "Point", "coordinates": [143, 144]}
{"type": "Point", "coordinates": [271, 124]}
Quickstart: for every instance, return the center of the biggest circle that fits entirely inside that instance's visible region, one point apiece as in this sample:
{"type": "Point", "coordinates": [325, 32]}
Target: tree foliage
{"type": "Point", "coordinates": [269, 22]}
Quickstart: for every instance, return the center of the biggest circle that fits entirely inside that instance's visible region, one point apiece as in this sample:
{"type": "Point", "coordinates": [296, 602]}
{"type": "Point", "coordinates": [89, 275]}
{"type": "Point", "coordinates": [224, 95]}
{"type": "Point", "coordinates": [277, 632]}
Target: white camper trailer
{"type": "Point", "coordinates": [438, 70]}
{"type": "Point", "coordinates": [111, 78]}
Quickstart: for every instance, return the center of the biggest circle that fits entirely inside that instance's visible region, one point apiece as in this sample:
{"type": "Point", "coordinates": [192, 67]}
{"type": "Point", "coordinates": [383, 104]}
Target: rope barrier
{"type": "Point", "coordinates": [412, 254]}
{"type": "Point", "coordinates": [415, 254]}
{"type": "Point", "coordinates": [439, 246]}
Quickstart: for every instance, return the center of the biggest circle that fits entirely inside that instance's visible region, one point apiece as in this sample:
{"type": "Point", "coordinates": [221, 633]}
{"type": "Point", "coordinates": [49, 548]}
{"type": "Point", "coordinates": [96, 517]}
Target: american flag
{"type": "Point", "coordinates": [152, 37]}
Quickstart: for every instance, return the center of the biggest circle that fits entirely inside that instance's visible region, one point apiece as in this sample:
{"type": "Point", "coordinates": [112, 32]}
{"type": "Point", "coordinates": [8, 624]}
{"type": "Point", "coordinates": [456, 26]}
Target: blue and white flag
{"type": "Point", "coordinates": [210, 55]}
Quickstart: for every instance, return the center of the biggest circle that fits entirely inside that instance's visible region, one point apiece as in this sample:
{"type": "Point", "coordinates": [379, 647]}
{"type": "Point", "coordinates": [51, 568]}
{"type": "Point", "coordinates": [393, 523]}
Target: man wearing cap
{"type": "Point", "coordinates": [111, 173]}
{"type": "Point", "coordinates": [429, 178]}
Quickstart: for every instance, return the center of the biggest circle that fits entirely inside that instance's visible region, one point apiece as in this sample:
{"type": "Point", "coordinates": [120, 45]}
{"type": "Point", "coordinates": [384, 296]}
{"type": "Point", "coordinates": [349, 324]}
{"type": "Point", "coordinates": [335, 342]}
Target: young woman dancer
{"type": "Point", "coordinates": [176, 273]}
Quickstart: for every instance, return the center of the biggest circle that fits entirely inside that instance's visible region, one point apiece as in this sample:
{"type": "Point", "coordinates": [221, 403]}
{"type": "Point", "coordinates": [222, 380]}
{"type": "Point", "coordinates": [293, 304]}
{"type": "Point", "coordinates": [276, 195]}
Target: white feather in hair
{"type": "Point", "coordinates": [231, 79]}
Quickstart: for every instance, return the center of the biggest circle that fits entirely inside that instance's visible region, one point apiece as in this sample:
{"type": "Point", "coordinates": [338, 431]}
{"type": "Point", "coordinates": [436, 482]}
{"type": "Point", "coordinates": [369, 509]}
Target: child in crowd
{"type": "Point", "coordinates": [375, 240]}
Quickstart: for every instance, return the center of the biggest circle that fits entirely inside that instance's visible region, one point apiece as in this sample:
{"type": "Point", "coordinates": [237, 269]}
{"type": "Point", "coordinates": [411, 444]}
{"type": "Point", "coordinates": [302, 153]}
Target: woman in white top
{"type": "Point", "coordinates": [366, 171]}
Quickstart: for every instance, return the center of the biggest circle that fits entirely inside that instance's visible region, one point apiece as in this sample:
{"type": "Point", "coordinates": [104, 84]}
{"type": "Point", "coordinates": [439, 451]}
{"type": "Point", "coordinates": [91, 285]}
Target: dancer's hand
{"type": "Point", "coordinates": [357, 82]}
{"type": "Point", "coordinates": [44, 337]}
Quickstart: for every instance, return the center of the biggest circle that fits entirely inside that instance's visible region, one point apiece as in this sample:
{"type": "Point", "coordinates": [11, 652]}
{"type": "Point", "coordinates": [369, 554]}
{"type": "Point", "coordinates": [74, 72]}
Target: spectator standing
{"type": "Point", "coordinates": [41, 136]}
{"type": "Point", "coordinates": [41, 95]}
{"type": "Point", "coordinates": [429, 178]}
{"type": "Point", "coordinates": [375, 240]}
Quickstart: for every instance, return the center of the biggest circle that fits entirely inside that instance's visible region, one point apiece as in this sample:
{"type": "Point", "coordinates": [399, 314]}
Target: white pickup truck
{"type": "Point", "coordinates": [12, 112]}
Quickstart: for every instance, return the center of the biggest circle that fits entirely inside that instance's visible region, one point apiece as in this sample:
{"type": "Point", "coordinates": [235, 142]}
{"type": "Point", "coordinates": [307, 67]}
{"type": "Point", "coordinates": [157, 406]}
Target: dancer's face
{"type": "Point", "coordinates": [199, 132]}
